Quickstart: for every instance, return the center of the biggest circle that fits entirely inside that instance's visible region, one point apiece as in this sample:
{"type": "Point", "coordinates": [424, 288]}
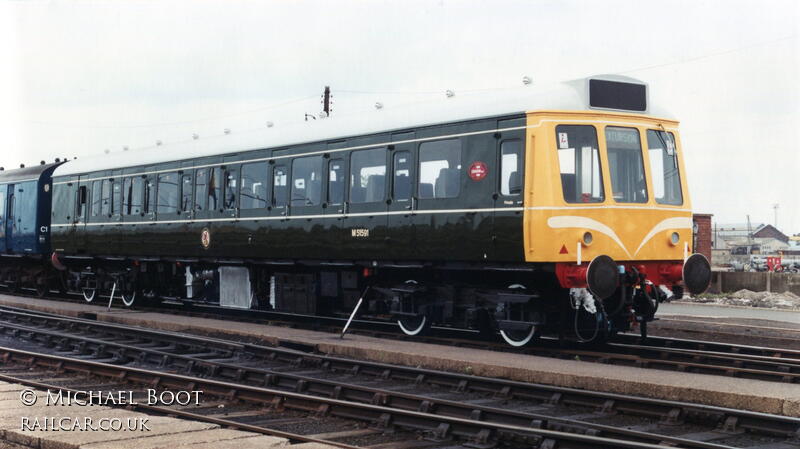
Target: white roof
{"type": "Point", "coordinates": [562, 96]}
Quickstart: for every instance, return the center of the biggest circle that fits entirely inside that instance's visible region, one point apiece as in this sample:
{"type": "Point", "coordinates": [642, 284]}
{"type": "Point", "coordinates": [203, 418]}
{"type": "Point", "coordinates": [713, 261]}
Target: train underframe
{"type": "Point", "coordinates": [518, 303]}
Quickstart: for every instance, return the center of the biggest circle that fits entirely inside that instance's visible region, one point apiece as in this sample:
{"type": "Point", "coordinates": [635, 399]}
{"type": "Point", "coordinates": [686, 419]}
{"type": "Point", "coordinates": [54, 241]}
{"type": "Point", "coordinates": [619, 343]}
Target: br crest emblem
{"type": "Point", "coordinates": [205, 238]}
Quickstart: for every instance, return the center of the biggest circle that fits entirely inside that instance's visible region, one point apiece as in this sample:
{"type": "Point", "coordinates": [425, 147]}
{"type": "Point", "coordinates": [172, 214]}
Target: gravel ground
{"type": "Point", "coordinates": [747, 298]}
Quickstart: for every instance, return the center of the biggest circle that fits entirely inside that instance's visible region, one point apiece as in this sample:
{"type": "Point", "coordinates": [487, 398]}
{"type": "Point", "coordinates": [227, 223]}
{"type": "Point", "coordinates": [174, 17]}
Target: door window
{"type": "Point", "coordinates": [201, 189]}
{"type": "Point", "coordinates": [401, 182]}
{"type": "Point", "coordinates": [105, 203]}
{"type": "Point", "coordinates": [186, 192]}
{"type": "Point", "coordinates": [279, 184]}
{"type": "Point", "coordinates": [231, 189]}
{"type": "Point", "coordinates": [336, 182]}
{"type": "Point", "coordinates": [511, 167]}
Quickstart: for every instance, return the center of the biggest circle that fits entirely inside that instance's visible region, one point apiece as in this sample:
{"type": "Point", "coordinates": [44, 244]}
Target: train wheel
{"type": "Point", "coordinates": [413, 325]}
{"type": "Point", "coordinates": [42, 288]}
{"type": "Point", "coordinates": [519, 338]}
{"type": "Point", "coordinates": [89, 294]}
{"type": "Point", "coordinates": [129, 297]}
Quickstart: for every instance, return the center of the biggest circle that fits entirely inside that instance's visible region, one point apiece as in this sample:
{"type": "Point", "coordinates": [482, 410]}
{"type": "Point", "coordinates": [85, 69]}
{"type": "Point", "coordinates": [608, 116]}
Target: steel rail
{"type": "Point", "coordinates": [355, 392]}
{"type": "Point", "coordinates": [166, 411]}
{"type": "Point", "coordinates": [440, 425]}
{"type": "Point", "coordinates": [673, 411]}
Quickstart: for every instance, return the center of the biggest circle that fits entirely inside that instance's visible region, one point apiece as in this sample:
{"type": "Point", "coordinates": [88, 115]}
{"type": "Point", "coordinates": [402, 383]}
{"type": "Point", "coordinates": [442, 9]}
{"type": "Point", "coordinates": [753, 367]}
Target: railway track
{"type": "Point", "coordinates": [673, 354]}
{"type": "Point", "coordinates": [482, 400]}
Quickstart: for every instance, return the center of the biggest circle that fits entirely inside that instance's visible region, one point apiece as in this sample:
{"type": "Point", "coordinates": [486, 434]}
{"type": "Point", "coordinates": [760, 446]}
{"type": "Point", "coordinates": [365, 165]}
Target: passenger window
{"type": "Point", "coordinates": [579, 159]}
{"type": "Point", "coordinates": [368, 176]}
{"type": "Point", "coordinates": [135, 207]}
{"type": "Point", "coordinates": [231, 188]}
{"type": "Point", "coordinates": [97, 193]}
{"type": "Point", "coordinates": [626, 165]}
{"type": "Point", "coordinates": [201, 189]}
{"type": "Point", "coordinates": [105, 204]}
{"type": "Point", "coordinates": [511, 167]}
{"type": "Point", "coordinates": [186, 193]}
{"type": "Point", "coordinates": [167, 193]}
{"type": "Point", "coordinates": [279, 190]}
{"type": "Point", "coordinates": [440, 169]}
{"type": "Point", "coordinates": [335, 181]}
{"type": "Point", "coordinates": [306, 181]}
{"type": "Point", "coordinates": [664, 167]}
{"type": "Point", "coordinates": [116, 197]}
{"type": "Point", "coordinates": [215, 188]}
{"type": "Point", "coordinates": [401, 184]}
{"type": "Point", "coordinates": [254, 186]}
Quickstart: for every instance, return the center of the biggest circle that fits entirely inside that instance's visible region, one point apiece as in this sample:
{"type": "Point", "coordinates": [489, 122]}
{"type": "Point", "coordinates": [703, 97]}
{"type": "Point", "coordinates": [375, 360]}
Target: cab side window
{"type": "Point", "coordinates": [579, 161]}
{"type": "Point", "coordinates": [440, 169]}
{"type": "Point", "coordinates": [511, 167]}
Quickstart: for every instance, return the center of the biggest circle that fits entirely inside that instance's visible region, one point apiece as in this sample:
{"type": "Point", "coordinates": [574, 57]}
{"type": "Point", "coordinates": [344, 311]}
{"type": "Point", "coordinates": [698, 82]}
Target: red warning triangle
{"type": "Point", "coordinates": [563, 250]}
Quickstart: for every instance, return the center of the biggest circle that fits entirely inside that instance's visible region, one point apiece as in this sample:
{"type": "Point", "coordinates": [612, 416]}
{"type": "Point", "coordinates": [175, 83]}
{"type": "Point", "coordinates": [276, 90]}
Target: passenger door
{"type": "Point", "coordinates": [401, 239]}
{"type": "Point", "coordinates": [507, 232]}
{"type": "Point", "coordinates": [305, 206]}
{"type": "Point", "coordinates": [335, 196]}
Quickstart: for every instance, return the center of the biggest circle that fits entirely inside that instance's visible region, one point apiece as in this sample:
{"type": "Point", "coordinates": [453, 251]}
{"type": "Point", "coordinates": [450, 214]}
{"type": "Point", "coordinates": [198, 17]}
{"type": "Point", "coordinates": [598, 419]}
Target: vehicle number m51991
{"type": "Point", "coordinates": [359, 232]}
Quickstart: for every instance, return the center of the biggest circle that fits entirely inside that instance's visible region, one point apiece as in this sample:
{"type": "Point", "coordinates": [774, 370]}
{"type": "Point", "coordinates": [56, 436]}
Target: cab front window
{"type": "Point", "coordinates": [625, 165]}
{"type": "Point", "coordinates": [664, 167]}
{"type": "Point", "coordinates": [579, 161]}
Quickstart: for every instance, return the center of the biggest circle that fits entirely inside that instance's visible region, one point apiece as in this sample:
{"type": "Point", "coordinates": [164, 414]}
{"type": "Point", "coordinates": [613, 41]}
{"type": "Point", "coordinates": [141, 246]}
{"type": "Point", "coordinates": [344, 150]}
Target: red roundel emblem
{"type": "Point", "coordinates": [478, 171]}
{"type": "Point", "coordinates": [205, 238]}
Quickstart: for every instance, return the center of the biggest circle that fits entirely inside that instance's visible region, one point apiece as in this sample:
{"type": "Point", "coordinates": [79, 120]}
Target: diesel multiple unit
{"type": "Point", "coordinates": [564, 211]}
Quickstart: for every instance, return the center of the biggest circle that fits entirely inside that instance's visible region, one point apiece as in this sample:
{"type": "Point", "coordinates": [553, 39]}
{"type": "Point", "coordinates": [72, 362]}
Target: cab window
{"type": "Point", "coordinates": [664, 167]}
{"type": "Point", "coordinates": [579, 162]}
{"type": "Point", "coordinates": [626, 165]}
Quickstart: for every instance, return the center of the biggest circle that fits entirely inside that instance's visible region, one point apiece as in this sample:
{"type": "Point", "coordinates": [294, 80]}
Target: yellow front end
{"type": "Point", "coordinates": [585, 197]}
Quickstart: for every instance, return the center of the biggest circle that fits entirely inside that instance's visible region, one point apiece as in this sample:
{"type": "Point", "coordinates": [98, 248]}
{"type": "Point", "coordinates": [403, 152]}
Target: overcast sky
{"type": "Point", "coordinates": [77, 78]}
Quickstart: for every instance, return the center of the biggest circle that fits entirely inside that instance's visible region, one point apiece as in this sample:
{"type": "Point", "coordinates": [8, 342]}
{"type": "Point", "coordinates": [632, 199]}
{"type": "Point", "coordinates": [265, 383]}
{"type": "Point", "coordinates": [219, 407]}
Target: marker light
{"type": "Point", "coordinates": [674, 238]}
{"type": "Point", "coordinates": [587, 238]}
